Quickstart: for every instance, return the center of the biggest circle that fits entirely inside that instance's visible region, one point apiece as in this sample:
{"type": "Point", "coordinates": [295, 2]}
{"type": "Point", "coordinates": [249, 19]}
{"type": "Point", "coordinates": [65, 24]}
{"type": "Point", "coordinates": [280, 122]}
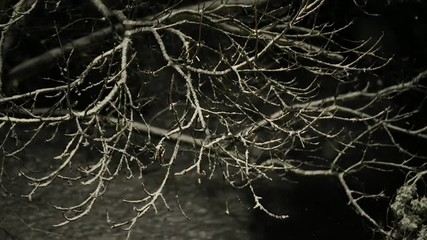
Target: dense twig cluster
{"type": "Point", "coordinates": [253, 88]}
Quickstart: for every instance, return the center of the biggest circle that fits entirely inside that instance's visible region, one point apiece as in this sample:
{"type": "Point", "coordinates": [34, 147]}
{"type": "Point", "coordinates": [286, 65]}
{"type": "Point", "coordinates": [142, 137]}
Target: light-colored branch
{"type": "Point", "coordinates": [353, 202]}
{"type": "Point", "coordinates": [401, 87]}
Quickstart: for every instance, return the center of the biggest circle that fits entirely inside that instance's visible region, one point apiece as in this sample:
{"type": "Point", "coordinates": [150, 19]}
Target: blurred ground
{"type": "Point", "coordinates": [204, 204]}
